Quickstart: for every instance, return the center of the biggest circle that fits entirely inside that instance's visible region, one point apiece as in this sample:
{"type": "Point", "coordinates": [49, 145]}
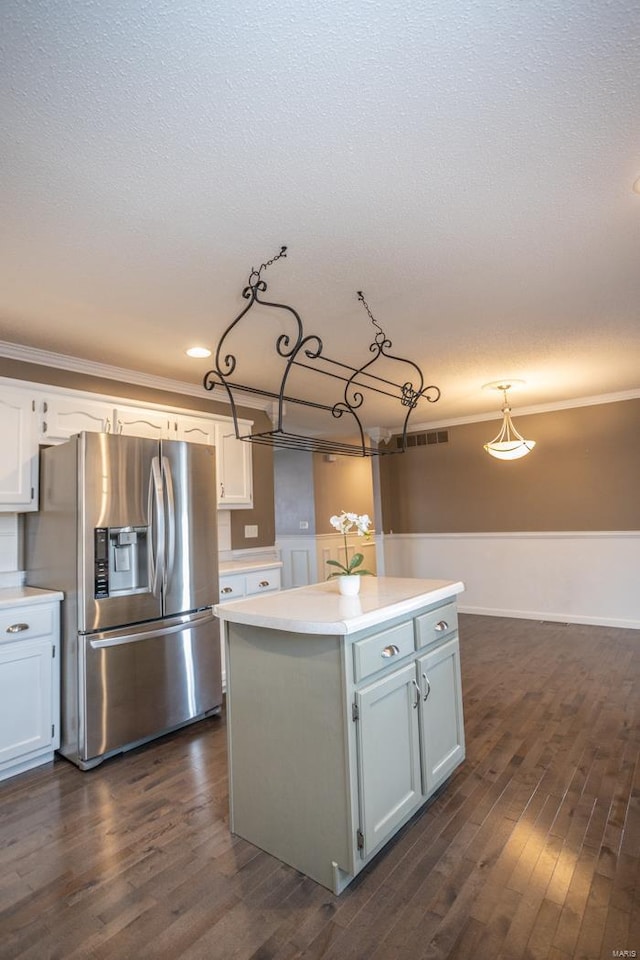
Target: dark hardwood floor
{"type": "Point", "coordinates": [531, 850]}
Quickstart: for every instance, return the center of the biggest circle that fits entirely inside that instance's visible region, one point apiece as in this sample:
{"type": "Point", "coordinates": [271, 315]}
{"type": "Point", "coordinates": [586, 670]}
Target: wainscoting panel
{"type": "Point", "coordinates": [568, 577]}
{"type": "Point", "coordinates": [298, 555]}
{"type": "Point", "coordinates": [304, 559]}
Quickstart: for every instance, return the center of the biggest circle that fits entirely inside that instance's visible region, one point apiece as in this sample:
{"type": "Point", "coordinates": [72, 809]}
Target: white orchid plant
{"type": "Point", "coordinates": [345, 523]}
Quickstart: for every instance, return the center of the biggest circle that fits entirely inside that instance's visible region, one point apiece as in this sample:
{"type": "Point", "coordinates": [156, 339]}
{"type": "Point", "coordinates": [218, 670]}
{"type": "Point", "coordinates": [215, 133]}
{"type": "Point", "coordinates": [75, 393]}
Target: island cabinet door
{"type": "Point", "coordinates": [442, 727]}
{"type": "Point", "coordinates": [388, 755]}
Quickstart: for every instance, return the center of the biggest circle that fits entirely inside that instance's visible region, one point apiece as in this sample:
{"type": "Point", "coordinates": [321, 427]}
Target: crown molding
{"type": "Point", "coordinates": [525, 411]}
{"type": "Point", "coordinates": [60, 361]}
{"type": "Point", "coordinates": [45, 358]}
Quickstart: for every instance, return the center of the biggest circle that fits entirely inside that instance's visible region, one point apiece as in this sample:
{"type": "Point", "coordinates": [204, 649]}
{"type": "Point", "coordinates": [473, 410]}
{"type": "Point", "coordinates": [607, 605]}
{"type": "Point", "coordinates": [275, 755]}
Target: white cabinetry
{"type": "Point", "coordinates": [234, 466]}
{"type": "Point", "coordinates": [248, 583]}
{"type": "Point", "coordinates": [19, 445]}
{"type": "Point", "coordinates": [29, 686]}
{"type": "Point", "coordinates": [195, 429]}
{"type": "Point", "coordinates": [61, 416]}
{"type": "Point", "coordinates": [142, 422]}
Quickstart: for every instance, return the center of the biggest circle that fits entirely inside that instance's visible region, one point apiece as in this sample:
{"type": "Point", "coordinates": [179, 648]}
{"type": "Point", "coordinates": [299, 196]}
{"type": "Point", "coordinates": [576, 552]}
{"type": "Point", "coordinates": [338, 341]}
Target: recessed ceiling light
{"type": "Point", "coordinates": [636, 186]}
{"type": "Point", "coordinates": [198, 352]}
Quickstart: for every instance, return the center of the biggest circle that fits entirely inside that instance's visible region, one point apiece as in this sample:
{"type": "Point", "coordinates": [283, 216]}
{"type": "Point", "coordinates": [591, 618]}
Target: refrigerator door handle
{"type": "Point", "coordinates": [156, 515]}
{"type": "Point", "coordinates": [105, 640]}
{"type": "Point", "coordinates": [171, 520]}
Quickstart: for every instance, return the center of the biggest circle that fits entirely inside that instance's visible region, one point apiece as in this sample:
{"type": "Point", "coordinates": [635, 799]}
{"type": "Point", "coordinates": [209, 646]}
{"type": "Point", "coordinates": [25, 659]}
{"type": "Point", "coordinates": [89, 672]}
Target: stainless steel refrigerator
{"type": "Point", "coordinates": [127, 530]}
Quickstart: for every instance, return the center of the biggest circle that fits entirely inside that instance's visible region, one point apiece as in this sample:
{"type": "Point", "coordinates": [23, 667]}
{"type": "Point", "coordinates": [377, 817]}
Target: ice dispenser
{"type": "Point", "coordinates": [121, 561]}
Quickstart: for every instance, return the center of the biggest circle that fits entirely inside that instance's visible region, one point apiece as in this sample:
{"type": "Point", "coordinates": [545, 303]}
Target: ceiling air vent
{"type": "Point", "coordinates": [424, 439]}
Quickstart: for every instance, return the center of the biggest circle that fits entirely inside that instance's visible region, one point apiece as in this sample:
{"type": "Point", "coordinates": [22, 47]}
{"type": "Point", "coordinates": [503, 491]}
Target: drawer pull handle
{"type": "Point", "coordinates": [263, 583]}
{"type": "Point", "coordinates": [426, 680]}
{"type": "Point", "coordinates": [227, 590]}
{"type": "Point", "coordinates": [17, 627]}
{"type": "Point", "coordinates": [442, 625]}
{"type": "Point", "coordinates": [391, 651]}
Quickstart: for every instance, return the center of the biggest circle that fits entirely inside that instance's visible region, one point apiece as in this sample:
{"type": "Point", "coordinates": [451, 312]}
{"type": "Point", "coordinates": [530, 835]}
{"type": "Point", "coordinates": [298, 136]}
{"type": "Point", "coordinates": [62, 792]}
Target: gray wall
{"type": "Point", "coordinates": [294, 492]}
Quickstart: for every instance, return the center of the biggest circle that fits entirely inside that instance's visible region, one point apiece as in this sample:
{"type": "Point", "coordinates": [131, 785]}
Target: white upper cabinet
{"type": "Point", "coordinates": [19, 445]}
{"type": "Point", "coordinates": [195, 429]}
{"type": "Point", "coordinates": [49, 415]}
{"type": "Point", "coordinates": [143, 422]}
{"type": "Point", "coordinates": [233, 466]}
{"type": "Point", "coordinates": [61, 416]}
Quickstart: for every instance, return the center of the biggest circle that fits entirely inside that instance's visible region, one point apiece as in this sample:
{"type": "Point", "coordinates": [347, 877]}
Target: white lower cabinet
{"type": "Point", "coordinates": [248, 583]}
{"type": "Point", "coordinates": [29, 686]}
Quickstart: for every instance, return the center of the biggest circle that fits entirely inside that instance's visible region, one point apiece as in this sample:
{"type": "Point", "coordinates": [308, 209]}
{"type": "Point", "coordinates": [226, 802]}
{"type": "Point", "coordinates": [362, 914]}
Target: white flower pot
{"type": "Point", "coordinates": [349, 586]}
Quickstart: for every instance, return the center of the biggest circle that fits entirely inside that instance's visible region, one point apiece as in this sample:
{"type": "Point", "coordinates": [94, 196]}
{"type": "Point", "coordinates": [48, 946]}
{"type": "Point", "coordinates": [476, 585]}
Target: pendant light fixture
{"type": "Point", "coordinates": [509, 444]}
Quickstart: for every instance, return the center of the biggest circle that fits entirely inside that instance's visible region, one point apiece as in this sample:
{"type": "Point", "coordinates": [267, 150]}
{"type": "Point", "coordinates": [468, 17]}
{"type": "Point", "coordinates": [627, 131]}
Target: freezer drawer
{"type": "Point", "coordinates": [140, 683]}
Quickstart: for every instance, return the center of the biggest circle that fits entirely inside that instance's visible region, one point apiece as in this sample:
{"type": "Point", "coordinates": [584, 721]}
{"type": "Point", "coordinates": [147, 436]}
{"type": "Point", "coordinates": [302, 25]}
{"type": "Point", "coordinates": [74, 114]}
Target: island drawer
{"type": "Point", "coordinates": [25, 622]}
{"type": "Point", "coordinates": [436, 624]}
{"type": "Point", "coordinates": [382, 650]}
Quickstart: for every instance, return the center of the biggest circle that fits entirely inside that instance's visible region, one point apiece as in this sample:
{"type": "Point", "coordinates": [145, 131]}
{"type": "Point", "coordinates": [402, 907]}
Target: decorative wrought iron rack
{"type": "Point", "coordinates": [300, 350]}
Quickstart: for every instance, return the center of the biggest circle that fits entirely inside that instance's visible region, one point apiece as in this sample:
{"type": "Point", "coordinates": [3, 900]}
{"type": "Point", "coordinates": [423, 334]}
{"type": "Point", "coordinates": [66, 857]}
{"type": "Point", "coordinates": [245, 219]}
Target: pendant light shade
{"type": "Point", "coordinates": [509, 444]}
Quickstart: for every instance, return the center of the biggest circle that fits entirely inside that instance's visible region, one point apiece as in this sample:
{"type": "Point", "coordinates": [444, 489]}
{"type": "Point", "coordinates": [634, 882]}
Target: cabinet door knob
{"type": "Point", "coordinates": [227, 590]}
{"type": "Point", "coordinates": [263, 583]}
{"type": "Point", "coordinates": [17, 627]}
{"type": "Point", "coordinates": [442, 625]}
{"type": "Point", "coordinates": [391, 651]}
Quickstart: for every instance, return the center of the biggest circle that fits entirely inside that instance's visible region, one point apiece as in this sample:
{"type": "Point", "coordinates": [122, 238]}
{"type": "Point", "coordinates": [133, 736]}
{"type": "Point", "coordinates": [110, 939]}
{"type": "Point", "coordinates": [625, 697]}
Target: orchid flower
{"type": "Point", "coordinates": [344, 524]}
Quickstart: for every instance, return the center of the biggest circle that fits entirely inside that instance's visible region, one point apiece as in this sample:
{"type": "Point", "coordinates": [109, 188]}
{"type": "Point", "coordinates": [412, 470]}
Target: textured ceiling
{"type": "Point", "coordinates": [468, 165]}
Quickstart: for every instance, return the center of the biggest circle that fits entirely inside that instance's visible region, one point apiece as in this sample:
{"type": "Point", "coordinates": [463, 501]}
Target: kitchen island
{"type": "Point", "coordinates": [344, 716]}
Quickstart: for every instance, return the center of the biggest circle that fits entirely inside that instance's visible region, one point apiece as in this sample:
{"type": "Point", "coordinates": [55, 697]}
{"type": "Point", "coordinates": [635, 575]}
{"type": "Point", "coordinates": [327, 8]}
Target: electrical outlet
{"type": "Point", "coordinates": [250, 531]}
{"type": "Point", "coordinates": [304, 524]}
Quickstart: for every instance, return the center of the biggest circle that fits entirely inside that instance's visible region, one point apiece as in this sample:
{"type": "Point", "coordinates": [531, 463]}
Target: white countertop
{"type": "Point", "coordinates": [227, 567]}
{"type": "Point", "coordinates": [15, 596]}
{"type": "Point", "coordinates": [319, 607]}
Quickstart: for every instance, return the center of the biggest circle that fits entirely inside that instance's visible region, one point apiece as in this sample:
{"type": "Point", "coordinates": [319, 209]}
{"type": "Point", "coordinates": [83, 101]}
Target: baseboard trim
{"type": "Point", "coordinates": [551, 617]}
